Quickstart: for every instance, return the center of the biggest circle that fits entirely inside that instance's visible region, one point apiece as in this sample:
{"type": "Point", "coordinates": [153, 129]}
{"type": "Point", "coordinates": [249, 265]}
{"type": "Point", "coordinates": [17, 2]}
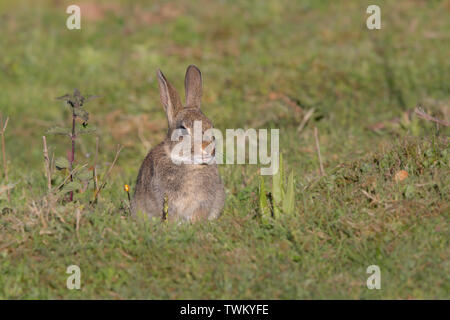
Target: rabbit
{"type": "Point", "coordinates": [194, 191]}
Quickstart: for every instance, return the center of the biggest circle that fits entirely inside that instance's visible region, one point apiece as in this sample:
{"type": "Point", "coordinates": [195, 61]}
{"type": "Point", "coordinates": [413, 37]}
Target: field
{"type": "Point", "coordinates": [383, 198]}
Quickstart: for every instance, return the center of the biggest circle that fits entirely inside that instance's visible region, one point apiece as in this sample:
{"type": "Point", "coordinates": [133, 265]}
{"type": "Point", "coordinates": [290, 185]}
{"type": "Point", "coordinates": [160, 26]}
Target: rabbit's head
{"type": "Point", "coordinates": [188, 121]}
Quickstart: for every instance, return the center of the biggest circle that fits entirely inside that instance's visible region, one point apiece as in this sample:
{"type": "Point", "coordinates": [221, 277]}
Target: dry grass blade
{"type": "Point", "coordinates": [419, 111]}
{"type": "Point", "coordinates": [6, 188]}
{"type": "Point", "coordinates": [316, 137]}
{"type": "Point", "coordinates": [105, 177]}
{"type": "Point", "coordinates": [78, 219]}
{"type": "Point", "coordinates": [95, 166]}
{"type": "Point", "coordinates": [38, 212]}
{"type": "Point", "coordinates": [5, 166]}
{"type": "Point", "coordinates": [47, 164]}
{"type": "Point", "coordinates": [68, 177]}
{"type": "Point", "coordinates": [368, 195]}
{"type": "Point", "coordinates": [307, 116]}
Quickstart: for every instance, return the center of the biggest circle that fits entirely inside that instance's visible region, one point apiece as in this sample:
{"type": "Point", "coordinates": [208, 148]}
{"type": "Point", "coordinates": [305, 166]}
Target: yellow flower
{"type": "Point", "coordinates": [401, 175]}
{"type": "Point", "coordinates": [165, 208]}
{"type": "Point", "coordinates": [126, 187]}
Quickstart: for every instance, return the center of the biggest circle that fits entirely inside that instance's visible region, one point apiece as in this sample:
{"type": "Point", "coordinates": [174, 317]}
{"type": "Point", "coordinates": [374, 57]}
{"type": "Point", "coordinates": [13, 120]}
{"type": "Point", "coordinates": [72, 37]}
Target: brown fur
{"type": "Point", "coordinates": [194, 191]}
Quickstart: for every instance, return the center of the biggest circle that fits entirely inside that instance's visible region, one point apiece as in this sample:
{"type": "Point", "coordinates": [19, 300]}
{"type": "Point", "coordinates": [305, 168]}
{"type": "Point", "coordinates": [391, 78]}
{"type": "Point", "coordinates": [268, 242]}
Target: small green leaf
{"type": "Point", "coordinates": [85, 130]}
{"type": "Point", "coordinates": [409, 192]}
{"type": "Point", "coordinates": [90, 97]}
{"type": "Point", "coordinates": [62, 163]}
{"type": "Point", "coordinates": [277, 187]}
{"type": "Point", "coordinates": [71, 186]}
{"type": "Point", "coordinates": [289, 199]}
{"type": "Point", "coordinates": [81, 113]}
{"type": "Point", "coordinates": [77, 93]}
{"type": "Point", "coordinates": [84, 175]}
{"type": "Point", "coordinates": [282, 177]}
{"type": "Point", "coordinates": [65, 97]}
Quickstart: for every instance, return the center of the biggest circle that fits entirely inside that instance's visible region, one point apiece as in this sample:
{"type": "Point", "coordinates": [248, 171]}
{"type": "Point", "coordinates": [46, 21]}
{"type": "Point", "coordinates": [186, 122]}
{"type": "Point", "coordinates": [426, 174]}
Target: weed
{"type": "Point", "coordinates": [282, 198]}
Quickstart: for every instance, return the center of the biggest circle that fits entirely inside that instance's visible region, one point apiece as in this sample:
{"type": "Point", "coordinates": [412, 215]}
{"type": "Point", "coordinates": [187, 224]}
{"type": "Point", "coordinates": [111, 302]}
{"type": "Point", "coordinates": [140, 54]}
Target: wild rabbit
{"type": "Point", "coordinates": [191, 191]}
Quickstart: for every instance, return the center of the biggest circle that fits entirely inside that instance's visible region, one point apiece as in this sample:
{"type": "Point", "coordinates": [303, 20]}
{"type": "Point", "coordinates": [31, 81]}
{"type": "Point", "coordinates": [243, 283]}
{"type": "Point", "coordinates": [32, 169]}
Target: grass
{"type": "Point", "coordinates": [265, 64]}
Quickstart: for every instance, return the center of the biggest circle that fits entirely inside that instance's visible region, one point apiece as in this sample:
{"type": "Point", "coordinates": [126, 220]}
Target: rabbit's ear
{"type": "Point", "coordinates": [169, 97]}
{"type": "Point", "coordinates": [193, 86]}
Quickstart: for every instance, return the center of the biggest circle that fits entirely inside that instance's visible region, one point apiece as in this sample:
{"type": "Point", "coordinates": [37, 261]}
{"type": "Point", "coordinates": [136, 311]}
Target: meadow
{"type": "Point", "coordinates": [381, 199]}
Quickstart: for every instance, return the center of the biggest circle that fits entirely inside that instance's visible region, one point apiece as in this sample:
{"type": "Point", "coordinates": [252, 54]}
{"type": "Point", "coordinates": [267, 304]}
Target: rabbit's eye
{"type": "Point", "coordinates": [183, 130]}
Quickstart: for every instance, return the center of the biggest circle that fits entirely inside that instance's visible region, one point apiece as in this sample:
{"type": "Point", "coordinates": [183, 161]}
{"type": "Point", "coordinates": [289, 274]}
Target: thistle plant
{"type": "Point", "coordinates": [281, 199]}
{"type": "Point", "coordinates": [76, 104]}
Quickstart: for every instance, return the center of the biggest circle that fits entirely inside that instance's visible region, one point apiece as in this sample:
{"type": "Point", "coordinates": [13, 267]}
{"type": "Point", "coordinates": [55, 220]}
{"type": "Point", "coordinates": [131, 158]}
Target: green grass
{"type": "Point", "coordinates": [258, 59]}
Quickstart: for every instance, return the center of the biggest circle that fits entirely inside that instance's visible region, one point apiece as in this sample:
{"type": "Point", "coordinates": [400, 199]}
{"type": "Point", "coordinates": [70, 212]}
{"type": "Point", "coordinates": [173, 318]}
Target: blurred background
{"type": "Point", "coordinates": [265, 64]}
